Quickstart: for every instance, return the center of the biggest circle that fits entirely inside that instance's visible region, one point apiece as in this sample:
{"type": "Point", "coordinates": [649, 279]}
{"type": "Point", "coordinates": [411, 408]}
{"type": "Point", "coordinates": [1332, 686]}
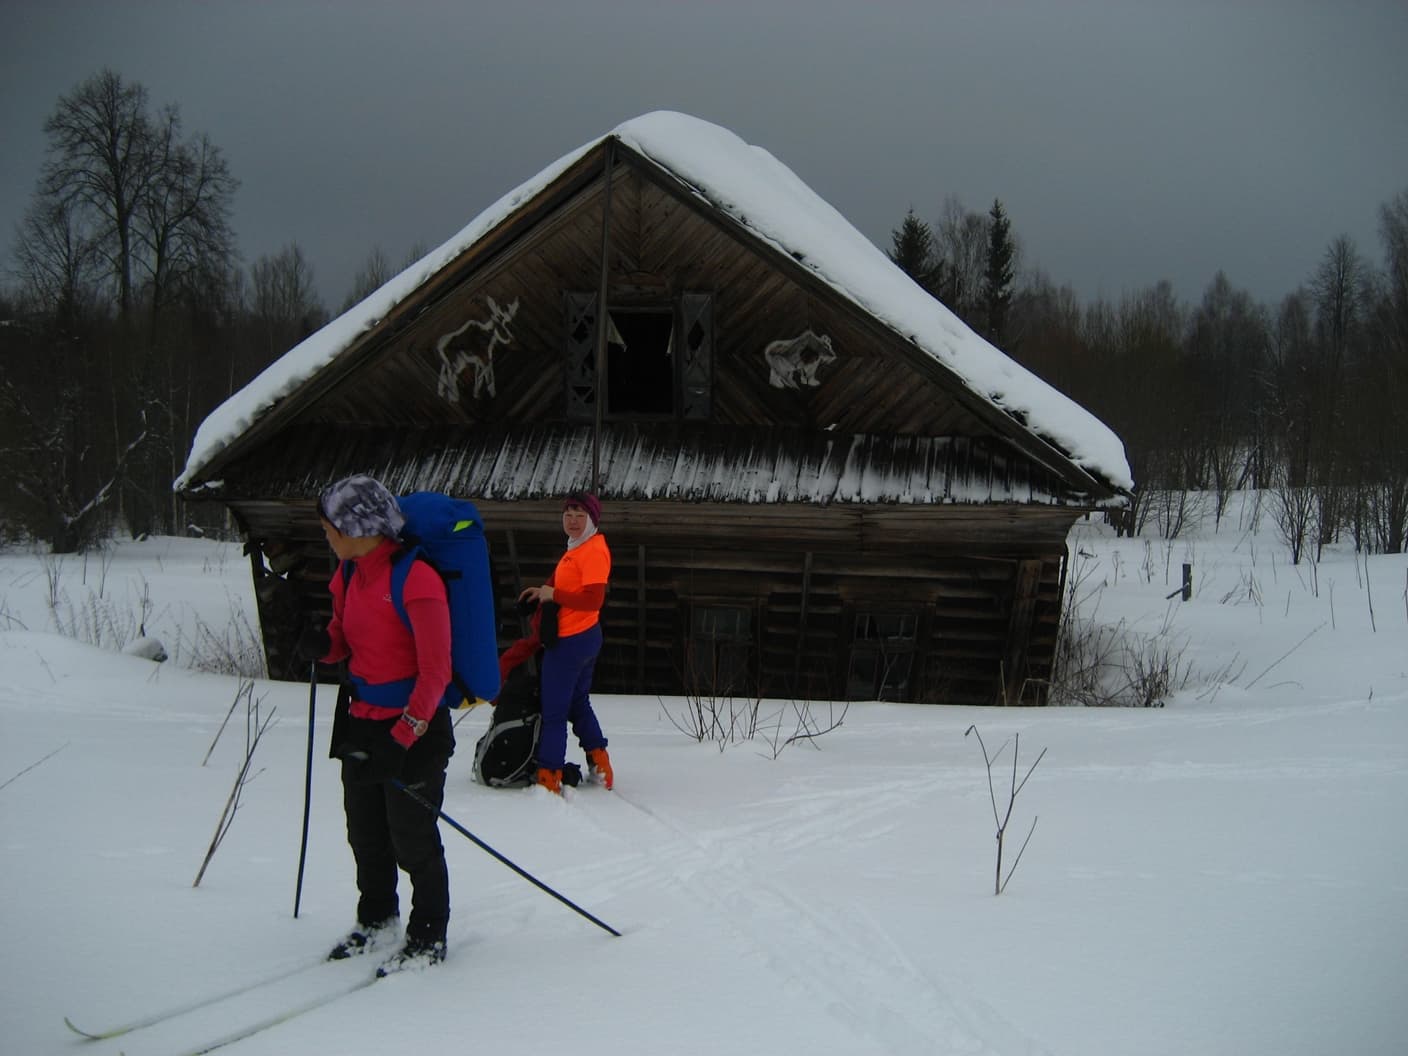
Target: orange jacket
{"type": "Point", "coordinates": [578, 571]}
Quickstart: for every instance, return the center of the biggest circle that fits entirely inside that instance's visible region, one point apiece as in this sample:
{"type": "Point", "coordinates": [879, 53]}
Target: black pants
{"type": "Point", "coordinates": [389, 831]}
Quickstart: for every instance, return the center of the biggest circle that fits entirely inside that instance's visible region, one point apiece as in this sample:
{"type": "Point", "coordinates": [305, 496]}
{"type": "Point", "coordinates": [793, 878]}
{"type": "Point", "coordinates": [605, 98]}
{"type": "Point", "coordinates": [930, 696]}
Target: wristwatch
{"type": "Point", "coordinates": [418, 726]}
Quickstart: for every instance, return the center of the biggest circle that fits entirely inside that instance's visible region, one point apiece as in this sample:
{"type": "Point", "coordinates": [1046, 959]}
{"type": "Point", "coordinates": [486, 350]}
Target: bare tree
{"type": "Point", "coordinates": [56, 261]}
{"type": "Point", "coordinates": [101, 163]}
{"type": "Point", "coordinates": [1045, 333]}
{"type": "Point", "coordinates": [1340, 293]}
{"type": "Point", "coordinates": [58, 431]}
{"type": "Point", "coordinates": [1294, 510]}
{"type": "Point", "coordinates": [286, 307]}
{"type": "Point", "coordinates": [1150, 389]}
{"type": "Point", "coordinates": [1291, 380]}
{"type": "Point", "coordinates": [1226, 356]}
{"type": "Point", "coordinates": [152, 206]}
{"type": "Point", "coordinates": [374, 273]}
{"type": "Point", "coordinates": [128, 217]}
{"type": "Point", "coordinates": [1393, 231]}
{"type": "Point", "coordinates": [55, 485]}
{"type": "Point", "coordinates": [185, 234]}
{"type": "Point", "coordinates": [963, 248]}
{"type": "Point", "coordinates": [1380, 392]}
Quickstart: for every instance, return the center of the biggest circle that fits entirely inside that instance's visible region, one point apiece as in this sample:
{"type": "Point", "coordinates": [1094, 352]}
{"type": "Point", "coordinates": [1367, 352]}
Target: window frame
{"type": "Point", "coordinates": [613, 315]}
{"type": "Point", "coordinates": [738, 643]}
{"type": "Point", "coordinates": [882, 652]}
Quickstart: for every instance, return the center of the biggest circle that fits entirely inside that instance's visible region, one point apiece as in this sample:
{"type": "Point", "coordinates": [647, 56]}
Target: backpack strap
{"type": "Point", "coordinates": [400, 570]}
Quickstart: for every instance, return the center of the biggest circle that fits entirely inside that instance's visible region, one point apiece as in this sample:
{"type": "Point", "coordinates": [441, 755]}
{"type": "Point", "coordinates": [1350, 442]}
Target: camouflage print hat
{"type": "Point", "coordinates": [360, 506]}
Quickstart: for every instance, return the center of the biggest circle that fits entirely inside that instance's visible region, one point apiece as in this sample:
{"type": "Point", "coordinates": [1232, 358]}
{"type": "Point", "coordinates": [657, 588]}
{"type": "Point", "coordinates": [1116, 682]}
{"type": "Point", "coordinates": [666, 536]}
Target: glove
{"type": "Point", "coordinates": [547, 623]}
{"type": "Point", "coordinates": [313, 643]}
{"type": "Point", "coordinates": [381, 761]}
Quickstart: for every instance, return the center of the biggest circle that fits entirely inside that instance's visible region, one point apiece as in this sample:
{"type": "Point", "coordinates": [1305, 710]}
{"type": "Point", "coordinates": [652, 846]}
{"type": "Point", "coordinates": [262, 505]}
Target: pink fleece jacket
{"type": "Point", "coordinates": [366, 627]}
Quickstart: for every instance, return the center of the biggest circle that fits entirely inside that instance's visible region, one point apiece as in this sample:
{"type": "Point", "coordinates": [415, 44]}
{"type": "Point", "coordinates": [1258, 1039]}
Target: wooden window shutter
{"type": "Point", "coordinates": [696, 339]}
{"type": "Point", "coordinates": [580, 312]}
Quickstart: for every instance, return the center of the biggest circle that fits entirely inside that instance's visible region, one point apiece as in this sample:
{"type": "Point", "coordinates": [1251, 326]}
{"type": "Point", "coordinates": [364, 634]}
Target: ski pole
{"type": "Point", "coordinates": [467, 706]}
{"type": "Point", "coordinates": [307, 784]}
{"type": "Point", "coordinates": [485, 847]}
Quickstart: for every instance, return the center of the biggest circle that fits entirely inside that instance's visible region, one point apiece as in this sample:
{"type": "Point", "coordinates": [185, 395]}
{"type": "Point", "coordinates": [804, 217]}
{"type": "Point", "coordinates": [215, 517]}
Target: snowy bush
{"type": "Point", "coordinates": [88, 603]}
{"type": "Point", "coordinates": [1098, 664]}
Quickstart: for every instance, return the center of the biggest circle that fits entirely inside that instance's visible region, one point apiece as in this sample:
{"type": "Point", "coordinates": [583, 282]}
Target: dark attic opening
{"type": "Point", "coordinates": [640, 372]}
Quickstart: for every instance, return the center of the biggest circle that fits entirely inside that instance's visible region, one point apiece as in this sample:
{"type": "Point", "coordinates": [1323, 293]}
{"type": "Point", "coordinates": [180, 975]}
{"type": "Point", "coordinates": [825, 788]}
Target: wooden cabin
{"type": "Point", "coordinates": [817, 482]}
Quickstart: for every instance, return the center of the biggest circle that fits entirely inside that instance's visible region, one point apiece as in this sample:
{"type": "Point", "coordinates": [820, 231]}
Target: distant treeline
{"type": "Point", "coordinates": [1305, 398]}
{"type": "Point", "coordinates": [127, 315]}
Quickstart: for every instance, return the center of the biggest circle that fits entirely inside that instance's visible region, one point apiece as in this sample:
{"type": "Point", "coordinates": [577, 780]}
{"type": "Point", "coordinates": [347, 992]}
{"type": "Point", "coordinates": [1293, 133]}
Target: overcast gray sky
{"type": "Point", "coordinates": [1129, 141]}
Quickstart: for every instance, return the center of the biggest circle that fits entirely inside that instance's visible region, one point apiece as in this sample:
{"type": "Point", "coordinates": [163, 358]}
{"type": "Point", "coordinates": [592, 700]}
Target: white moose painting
{"type": "Point", "coordinates": [458, 352]}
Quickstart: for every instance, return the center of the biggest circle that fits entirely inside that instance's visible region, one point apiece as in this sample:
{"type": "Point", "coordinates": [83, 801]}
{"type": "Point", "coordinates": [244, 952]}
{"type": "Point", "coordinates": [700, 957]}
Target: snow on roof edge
{"type": "Point", "coordinates": [758, 191]}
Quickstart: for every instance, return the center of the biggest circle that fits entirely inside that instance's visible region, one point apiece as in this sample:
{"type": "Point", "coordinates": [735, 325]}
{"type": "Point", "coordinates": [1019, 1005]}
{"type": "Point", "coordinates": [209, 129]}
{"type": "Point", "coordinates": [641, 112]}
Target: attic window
{"type": "Point", "coordinates": [640, 367]}
{"type": "Point", "coordinates": [659, 360]}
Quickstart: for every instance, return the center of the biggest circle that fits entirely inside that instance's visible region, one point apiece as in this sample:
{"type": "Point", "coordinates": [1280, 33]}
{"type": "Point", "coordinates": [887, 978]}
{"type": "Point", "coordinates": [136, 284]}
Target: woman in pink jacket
{"type": "Point", "coordinates": [389, 724]}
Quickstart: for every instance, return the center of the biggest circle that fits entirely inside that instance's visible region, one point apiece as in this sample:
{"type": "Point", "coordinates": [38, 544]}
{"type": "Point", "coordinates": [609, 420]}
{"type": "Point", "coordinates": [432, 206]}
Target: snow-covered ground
{"type": "Point", "coordinates": [1227, 874]}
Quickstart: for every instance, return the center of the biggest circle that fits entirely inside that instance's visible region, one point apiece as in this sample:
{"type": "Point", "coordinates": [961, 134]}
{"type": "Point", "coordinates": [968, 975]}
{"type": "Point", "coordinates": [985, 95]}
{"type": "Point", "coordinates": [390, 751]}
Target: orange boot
{"type": "Point", "coordinates": [600, 766]}
{"type": "Point", "coordinates": [551, 780]}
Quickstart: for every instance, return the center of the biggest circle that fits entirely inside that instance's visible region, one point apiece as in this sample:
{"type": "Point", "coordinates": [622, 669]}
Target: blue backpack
{"type": "Point", "coordinates": [448, 535]}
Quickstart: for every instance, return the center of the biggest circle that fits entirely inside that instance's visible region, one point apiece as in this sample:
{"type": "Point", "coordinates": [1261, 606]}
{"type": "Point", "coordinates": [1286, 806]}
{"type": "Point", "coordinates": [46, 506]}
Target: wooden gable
{"type": "Point", "coordinates": [493, 344]}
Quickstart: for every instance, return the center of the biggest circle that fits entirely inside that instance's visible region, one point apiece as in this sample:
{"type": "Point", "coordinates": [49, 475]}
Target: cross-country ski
{"type": "Point", "coordinates": [189, 1006]}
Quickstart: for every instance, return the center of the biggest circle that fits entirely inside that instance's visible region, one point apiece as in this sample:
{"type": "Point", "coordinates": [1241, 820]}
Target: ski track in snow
{"type": "Point", "coordinates": [861, 979]}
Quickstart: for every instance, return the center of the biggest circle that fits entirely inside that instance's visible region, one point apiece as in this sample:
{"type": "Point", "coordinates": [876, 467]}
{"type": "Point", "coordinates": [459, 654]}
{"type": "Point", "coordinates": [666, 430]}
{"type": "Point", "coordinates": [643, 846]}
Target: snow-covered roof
{"type": "Point", "coordinates": [765, 197]}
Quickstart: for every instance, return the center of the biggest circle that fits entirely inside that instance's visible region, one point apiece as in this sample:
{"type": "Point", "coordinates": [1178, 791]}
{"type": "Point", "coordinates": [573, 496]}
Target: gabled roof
{"type": "Point", "coordinates": [764, 200]}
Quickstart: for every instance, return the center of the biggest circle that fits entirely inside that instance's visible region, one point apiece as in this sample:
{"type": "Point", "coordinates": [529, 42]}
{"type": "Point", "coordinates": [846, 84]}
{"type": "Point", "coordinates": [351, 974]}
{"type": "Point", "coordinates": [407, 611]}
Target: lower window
{"type": "Point", "coordinates": [720, 648]}
{"type": "Point", "coordinates": [882, 655]}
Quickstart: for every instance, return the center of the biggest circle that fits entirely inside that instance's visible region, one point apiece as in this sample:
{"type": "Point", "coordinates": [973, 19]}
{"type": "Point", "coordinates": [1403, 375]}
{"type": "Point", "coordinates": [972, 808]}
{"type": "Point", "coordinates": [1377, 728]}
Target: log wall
{"type": "Point", "coordinates": [979, 586]}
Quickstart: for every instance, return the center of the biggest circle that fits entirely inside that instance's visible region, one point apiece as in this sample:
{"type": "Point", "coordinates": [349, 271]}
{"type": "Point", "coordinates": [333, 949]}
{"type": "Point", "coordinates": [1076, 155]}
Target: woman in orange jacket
{"type": "Point", "coordinates": [578, 587]}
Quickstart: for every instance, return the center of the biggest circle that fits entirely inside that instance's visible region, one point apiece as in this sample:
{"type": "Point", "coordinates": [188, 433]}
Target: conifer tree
{"type": "Point", "coordinates": [914, 251]}
{"type": "Point", "coordinates": [997, 277]}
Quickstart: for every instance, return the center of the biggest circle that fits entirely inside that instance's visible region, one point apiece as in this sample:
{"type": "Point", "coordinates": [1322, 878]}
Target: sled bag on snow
{"type": "Point", "coordinates": [503, 758]}
{"type": "Point", "coordinates": [447, 534]}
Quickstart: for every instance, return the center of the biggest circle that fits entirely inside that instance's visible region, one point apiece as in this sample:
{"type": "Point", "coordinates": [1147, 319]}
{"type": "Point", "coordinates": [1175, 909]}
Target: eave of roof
{"type": "Point", "coordinates": [663, 462]}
